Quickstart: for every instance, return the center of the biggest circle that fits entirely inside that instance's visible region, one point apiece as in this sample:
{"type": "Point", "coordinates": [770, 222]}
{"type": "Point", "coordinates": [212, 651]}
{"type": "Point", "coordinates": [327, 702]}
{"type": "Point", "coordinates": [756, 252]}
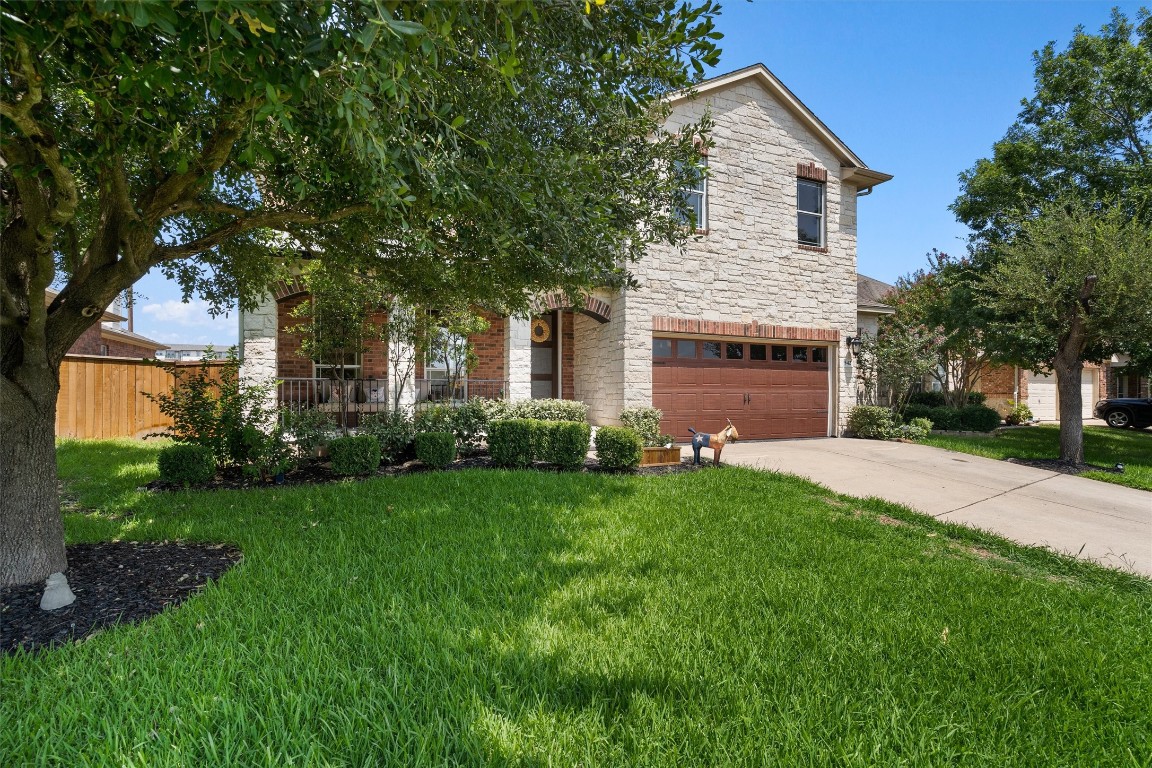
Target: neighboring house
{"type": "Point", "coordinates": [749, 323]}
{"type": "Point", "coordinates": [109, 338]}
{"type": "Point", "coordinates": [185, 353]}
{"type": "Point", "coordinates": [1003, 384]}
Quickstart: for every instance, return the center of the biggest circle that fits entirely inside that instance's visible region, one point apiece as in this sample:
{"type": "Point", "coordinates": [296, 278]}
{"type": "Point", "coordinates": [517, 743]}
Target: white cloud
{"type": "Point", "coordinates": [175, 321]}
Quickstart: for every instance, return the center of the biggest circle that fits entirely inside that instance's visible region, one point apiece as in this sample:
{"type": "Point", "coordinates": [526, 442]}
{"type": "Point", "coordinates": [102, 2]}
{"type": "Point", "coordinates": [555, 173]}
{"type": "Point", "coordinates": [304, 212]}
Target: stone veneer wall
{"type": "Point", "coordinates": [598, 363]}
{"type": "Point", "coordinates": [748, 266]}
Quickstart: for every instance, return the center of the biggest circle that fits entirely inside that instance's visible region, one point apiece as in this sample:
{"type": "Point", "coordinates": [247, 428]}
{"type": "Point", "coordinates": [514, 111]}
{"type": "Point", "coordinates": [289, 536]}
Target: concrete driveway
{"type": "Point", "coordinates": [1107, 523]}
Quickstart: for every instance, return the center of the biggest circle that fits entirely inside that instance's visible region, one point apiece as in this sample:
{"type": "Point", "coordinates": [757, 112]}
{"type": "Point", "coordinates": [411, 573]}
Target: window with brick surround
{"type": "Point", "coordinates": [695, 197]}
{"type": "Point", "coordinates": [810, 212]}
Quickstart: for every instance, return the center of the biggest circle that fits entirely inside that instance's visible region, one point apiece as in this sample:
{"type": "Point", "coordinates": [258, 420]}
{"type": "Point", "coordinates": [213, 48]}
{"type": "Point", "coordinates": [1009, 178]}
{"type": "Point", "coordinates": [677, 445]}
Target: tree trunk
{"type": "Point", "coordinates": [1068, 370]}
{"type": "Point", "coordinates": [31, 529]}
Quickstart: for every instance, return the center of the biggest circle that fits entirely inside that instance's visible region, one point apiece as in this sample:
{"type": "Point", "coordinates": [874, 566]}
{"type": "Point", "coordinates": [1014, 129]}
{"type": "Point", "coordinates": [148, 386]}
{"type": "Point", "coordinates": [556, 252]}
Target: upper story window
{"type": "Point", "coordinates": [695, 196]}
{"type": "Point", "coordinates": [810, 212]}
{"type": "Point", "coordinates": [811, 185]}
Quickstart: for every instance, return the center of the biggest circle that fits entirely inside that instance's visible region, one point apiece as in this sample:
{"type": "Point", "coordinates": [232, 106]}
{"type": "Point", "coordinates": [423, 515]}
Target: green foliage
{"type": "Point", "coordinates": [618, 448]}
{"type": "Point", "coordinates": [929, 398]}
{"type": "Point", "coordinates": [394, 432]}
{"type": "Point", "coordinates": [467, 421]}
{"type": "Point", "coordinates": [974, 418]}
{"type": "Point", "coordinates": [436, 449]}
{"type": "Point", "coordinates": [308, 428]}
{"type": "Point", "coordinates": [1019, 413]}
{"type": "Point", "coordinates": [897, 358]}
{"type": "Point", "coordinates": [979, 418]}
{"type": "Point", "coordinates": [567, 443]}
{"type": "Point", "coordinates": [646, 422]}
{"type": "Point", "coordinates": [1086, 132]}
{"type": "Point", "coordinates": [917, 429]}
{"type": "Point", "coordinates": [542, 409]}
{"type": "Point", "coordinates": [186, 464]}
{"type": "Point", "coordinates": [211, 405]}
{"type": "Point", "coordinates": [977, 398]}
{"type": "Point", "coordinates": [872, 422]}
{"type": "Point", "coordinates": [267, 452]}
{"type": "Point", "coordinates": [434, 417]}
{"type": "Point", "coordinates": [354, 454]}
{"type": "Point", "coordinates": [510, 442]}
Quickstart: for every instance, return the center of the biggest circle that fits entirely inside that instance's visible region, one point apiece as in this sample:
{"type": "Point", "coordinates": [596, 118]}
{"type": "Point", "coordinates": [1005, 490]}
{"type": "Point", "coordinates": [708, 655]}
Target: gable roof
{"type": "Point", "coordinates": [855, 171]}
{"type": "Point", "coordinates": [869, 295]}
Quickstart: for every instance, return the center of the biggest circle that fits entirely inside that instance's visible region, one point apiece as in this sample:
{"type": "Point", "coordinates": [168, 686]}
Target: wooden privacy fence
{"type": "Point", "coordinates": [104, 397]}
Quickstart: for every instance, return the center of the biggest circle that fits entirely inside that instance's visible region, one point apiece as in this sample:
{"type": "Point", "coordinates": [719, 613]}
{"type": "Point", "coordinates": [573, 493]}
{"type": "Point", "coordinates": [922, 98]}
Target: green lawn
{"type": "Point", "coordinates": [1103, 446]}
{"type": "Point", "coordinates": [724, 617]}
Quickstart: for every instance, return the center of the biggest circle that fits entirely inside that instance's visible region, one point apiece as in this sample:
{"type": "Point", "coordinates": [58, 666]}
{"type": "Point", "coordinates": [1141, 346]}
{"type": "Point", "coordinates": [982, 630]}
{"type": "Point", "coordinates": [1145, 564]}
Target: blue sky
{"type": "Point", "coordinates": [920, 90]}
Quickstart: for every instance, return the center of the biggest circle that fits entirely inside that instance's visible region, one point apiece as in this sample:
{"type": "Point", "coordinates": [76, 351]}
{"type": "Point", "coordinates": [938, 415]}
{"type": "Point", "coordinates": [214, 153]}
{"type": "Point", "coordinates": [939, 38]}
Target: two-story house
{"type": "Point", "coordinates": [751, 322]}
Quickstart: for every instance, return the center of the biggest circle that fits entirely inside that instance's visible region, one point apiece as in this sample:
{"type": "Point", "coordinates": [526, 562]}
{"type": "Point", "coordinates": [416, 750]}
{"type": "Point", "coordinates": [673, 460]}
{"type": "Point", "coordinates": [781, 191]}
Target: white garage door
{"type": "Point", "coordinates": [1042, 396]}
{"type": "Point", "coordinates": [1044, 402]}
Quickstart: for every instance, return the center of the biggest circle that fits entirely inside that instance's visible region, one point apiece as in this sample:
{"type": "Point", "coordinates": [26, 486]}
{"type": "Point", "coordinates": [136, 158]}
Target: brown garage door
{"type": "Point", "coordinates": [767, 390]}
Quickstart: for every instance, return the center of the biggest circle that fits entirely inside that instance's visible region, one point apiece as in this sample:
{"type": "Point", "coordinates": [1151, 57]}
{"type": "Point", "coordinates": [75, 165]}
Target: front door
{"type": "Point", "coordinates": [544, 363]}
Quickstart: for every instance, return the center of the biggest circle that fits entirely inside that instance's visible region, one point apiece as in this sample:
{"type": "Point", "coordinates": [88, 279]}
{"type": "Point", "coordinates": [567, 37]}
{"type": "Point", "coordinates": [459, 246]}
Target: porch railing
{"type": "Point", "coordinates": [441, 390]}
{"type": "Point", "coordinates": [353, 397]}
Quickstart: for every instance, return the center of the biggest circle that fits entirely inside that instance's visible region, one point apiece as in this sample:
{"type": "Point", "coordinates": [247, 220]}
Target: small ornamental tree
{"type": "Point", "coordinates": [1073, 286]}
{"type": "Point", "coordinates": [462, 152]}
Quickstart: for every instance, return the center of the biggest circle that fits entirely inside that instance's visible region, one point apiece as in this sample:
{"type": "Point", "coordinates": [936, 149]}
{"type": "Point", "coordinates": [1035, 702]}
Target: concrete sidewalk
{"type": "Point", "coordinates": [1107, 523]}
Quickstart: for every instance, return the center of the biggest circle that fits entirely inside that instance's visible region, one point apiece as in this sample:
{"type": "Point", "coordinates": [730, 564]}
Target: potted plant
{"type": "Point", "coordinates": [659, 448]}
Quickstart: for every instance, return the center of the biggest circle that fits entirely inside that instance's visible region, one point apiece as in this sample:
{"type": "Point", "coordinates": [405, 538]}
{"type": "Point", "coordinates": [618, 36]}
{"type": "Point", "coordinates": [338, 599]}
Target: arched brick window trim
{"type": "Point", "coordinates": [595, 308]}
{"type": "Point", "coordinates": [287, 289]}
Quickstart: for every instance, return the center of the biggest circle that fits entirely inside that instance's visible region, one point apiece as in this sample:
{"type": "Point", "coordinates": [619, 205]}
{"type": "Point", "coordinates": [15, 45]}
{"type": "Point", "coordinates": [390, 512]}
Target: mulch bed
{"type": "Point", "coordinates": [115, 582]}
{"type": "Point", "coordinates": [319, 473]}
{"type": "Point", "coordinates": [1064, 467]}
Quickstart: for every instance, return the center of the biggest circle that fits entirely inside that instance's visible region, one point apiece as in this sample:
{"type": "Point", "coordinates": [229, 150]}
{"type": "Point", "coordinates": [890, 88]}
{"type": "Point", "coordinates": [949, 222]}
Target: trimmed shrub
{"type": "Point", "coordinates": [915, 411]}
{"type": "Point", "coordinates": [186, 464]}
{"type": "Point", "coordinates": [510, 442]}
{"type": "Point", "coordinates": [1019, 414]}
{"type": "Point", "coordinates": [469, 424]}
{"type": "Point", "coordinates": [436, 449]}
{"type": "Point", "coordinates": [917, 429]}
{"type": "Point", "coordinates": [544, 410]}
{"type": "Point", "coordinates": [945, 418]}
{"type": "Point", "coordinates": [872, 422]}
{"type": "Point", "coordinates": [354, 455]}
{"type": "Point", "coordinates": [434, 417]}
{"type": "Point", "coordinates": [618, 448]}
{"type": "Point", "coordinates": [930, 398]}
{"type": "Point", "coordinates": [567, 444]}
{"type": "Point", "coordinates": [977, 398]}
{"type": "Point", "coordinates": [979, 418]}
{"type": "Point", "coordinates": [393, 431]}
{"type": "Point", "coordinates": [646, 422]}
{"type": "Point", "coordinates": [308, 428]}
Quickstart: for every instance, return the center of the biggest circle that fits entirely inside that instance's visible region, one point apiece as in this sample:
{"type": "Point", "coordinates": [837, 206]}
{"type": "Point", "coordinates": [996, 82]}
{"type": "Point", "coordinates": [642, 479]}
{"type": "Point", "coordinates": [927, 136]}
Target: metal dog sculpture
{"type": "Point", "coordinates": [716, 442]}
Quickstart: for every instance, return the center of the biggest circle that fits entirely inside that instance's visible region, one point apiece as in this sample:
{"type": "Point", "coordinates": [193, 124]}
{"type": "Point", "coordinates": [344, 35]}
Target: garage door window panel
{"type": "Point", "coordinates": [661, 348]}
{"type": "Point", "coordinates": [734, 351]}
{"type": "Point", "coordinates": [799, 354]}
{"type": "Point", "coordinates": [710, 350]}
{"type": "Point", "coordinates": [686, 350]}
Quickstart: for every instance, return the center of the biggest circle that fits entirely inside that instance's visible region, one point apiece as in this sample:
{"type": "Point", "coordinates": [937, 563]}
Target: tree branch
{"type": "Point", "coordinates": [270, 220]}
{"type": "Point", "coordinates": [44, 145]}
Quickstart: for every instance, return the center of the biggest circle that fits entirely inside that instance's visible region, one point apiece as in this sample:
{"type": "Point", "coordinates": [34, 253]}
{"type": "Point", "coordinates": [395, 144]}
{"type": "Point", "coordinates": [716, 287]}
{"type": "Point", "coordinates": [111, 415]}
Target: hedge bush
{"type": "Point", "coordinates": [393, 431]}
{"type": "Point", "coordinates": [977, 398]}
{"type": "Point", "coordinates": [872, 422]}
{"type": "Point", "coordinates": [186, 464]}
{"type": "Point", "coordinates": [979, 418]}
{"type": "Point", "coordinates": [971, 418]}
{"type": "Point", "coordinates": [567, 443]}
{"type": "Point", "coordinates": [618, 448]}
{"type": "Point", "coordinates": [354, 455]}
{"type": "Point", "coordinates": [931, 398]}
{"type": "Point", "coordinates": [510, 442]}
{"type": "Point", "coordinates": [646, 422]}
{"type": "Point", "coordinates": [544, 410]}
{"type": "Point", "coordinates": [436, 449]}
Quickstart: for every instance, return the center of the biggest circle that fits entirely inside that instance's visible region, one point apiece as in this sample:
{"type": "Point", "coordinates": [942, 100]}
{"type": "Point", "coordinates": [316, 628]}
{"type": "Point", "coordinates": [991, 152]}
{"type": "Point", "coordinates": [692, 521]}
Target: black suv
{"type": "Point", "coordinates": [1121, 412]}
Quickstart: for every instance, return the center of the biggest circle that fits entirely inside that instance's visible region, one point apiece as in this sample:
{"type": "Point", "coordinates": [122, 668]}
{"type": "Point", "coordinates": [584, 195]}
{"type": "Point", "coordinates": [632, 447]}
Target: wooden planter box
{"type": "Point", "coordinates": [660, 457]}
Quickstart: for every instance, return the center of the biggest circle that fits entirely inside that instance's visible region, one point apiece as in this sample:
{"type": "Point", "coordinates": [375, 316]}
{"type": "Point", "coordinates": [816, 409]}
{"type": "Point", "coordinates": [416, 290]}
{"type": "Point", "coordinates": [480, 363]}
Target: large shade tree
{"type": "Point", "coordinates": [1076, 163]}
{"type": "Point", "coordinates": [455, 150]}
{"type": "Point", "coordinates": [1073, 285]}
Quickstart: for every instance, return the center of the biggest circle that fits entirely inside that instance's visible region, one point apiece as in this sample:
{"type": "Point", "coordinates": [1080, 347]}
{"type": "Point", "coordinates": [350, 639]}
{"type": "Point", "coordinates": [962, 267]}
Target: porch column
{"type": "Point", "coordinates": [401, 363]}
{"type": "Point", "coordinates": [258, 345]}
{"type": "Point", "coordinates": [518, 357]}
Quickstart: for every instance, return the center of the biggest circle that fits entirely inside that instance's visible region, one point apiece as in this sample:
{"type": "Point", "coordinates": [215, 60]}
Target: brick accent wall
{"type": "Point", "coordinates": [120, 348]}
{"type": "Point", "coordinates": [568, 355]}
{"type": "Point", "coordinates": [489, 348]}
{"type": "Point", "coordinates": [753, 329]}
{"type": "Point", "coordinates": [88, 343]}
{"type": "Point", "coordinates": [291, 364]}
